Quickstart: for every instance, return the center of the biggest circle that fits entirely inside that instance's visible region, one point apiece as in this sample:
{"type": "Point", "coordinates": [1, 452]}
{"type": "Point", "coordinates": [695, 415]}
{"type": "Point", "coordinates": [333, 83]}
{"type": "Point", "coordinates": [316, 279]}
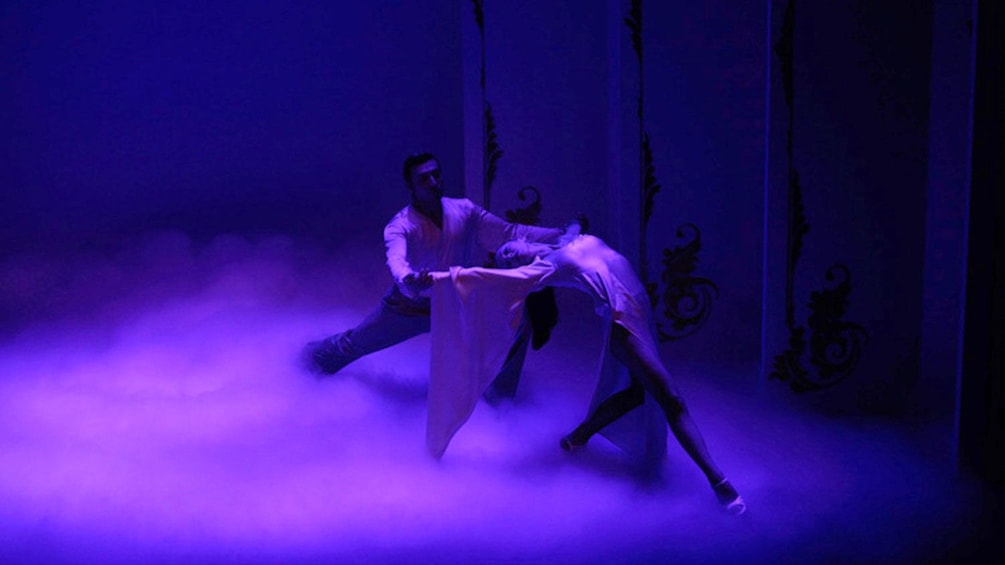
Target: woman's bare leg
{"type": "Point", "coordinates": [645, 365]}
{"type": "Point", "coordinates": [614, 407]}
{"type": "Point", "coordinates": [648, 371]}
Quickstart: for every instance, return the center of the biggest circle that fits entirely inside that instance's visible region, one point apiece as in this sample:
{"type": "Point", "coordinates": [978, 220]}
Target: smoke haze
{"type": "Point", "coordinates": [152, 410]}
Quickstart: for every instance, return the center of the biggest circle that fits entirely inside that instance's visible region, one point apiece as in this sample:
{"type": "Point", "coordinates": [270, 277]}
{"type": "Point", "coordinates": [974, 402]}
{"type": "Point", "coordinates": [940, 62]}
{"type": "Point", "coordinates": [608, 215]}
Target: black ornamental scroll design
{"type": "Point", "coordinates": [529, 214]}
{"type": "Point", "coordinates": [491, 150]}
{"type": "Point", "coordinates": [684, 300]}
{"type": "Point", "coordinates": [831, 346]}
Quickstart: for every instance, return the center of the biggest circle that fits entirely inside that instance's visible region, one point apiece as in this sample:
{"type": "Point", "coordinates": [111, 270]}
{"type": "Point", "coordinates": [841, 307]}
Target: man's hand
{"type": "Point", "coordinates": [418, 282]}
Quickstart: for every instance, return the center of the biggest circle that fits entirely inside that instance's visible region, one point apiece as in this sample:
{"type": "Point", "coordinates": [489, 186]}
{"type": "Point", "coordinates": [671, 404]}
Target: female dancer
{"type": "Point", "coordinates": [586, 263]}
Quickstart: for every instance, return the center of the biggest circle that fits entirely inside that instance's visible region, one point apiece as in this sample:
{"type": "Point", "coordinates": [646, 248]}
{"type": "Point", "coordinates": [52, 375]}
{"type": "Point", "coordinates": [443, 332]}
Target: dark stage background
{"type": "Point", "coordinates": [190, 191]}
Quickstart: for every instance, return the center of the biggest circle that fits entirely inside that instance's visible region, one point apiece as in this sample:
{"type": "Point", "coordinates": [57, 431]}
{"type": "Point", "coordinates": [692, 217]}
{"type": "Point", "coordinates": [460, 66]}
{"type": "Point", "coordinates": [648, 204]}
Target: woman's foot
{"type": "Point", "coordinates": [729, 498]}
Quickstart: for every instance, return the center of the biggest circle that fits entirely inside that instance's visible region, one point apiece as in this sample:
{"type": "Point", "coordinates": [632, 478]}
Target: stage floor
{"type": "Point", "coordinates": [180, 429]}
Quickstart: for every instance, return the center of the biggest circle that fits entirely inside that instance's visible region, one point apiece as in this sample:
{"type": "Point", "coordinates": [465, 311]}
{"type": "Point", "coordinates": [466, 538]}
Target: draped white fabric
{"type": "Point", "coordinates": [475, 314]}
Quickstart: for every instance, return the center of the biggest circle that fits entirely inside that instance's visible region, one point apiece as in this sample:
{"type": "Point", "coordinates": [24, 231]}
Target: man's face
{"type": "Point", "coordinates": [426, 181]}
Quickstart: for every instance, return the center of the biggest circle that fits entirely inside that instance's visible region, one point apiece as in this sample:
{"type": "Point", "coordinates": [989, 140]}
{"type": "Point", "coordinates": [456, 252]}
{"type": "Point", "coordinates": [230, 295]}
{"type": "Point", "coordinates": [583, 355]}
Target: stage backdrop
{"type": "Point", "coordinates": [827, 250]}
{"type": "Point", "coordinates": [246, 117]}
{"type": "Point", "coordinates": [866, 195]}
{"type": "Point", "coordinates": [649, 119]}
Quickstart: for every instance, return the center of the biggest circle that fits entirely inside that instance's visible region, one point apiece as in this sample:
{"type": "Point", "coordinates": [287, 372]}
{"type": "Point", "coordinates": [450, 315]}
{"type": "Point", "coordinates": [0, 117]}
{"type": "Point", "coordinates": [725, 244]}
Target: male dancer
{"type": "Point", "coordinates": [432, 233]}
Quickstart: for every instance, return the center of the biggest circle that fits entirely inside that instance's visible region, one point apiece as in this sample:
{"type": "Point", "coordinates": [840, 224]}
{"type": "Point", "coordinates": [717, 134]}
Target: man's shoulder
{"type": "Point", "coordinates": [401, 217]}
{"type": "Point", "coordinates": [459, 202]}
{"type": "Point", "coordinates": [461, 207]}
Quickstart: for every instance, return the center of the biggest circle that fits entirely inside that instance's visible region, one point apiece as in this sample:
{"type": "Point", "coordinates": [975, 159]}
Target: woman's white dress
{"type": "Point", "coordinates": [475, 313]}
